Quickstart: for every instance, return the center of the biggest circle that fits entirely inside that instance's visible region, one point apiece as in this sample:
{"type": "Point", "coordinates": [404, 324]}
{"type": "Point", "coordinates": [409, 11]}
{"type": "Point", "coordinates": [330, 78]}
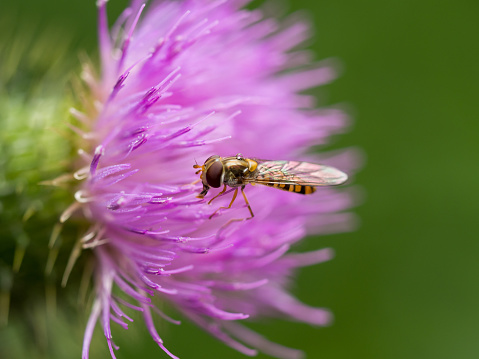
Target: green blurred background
{"type": "Point", "coordinates": [406, 284]}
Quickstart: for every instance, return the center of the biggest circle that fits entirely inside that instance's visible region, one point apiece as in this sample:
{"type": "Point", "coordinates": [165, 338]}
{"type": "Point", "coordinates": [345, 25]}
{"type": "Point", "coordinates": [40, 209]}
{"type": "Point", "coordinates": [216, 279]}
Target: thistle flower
{"type": "Point", "coordinates": [179, 82]}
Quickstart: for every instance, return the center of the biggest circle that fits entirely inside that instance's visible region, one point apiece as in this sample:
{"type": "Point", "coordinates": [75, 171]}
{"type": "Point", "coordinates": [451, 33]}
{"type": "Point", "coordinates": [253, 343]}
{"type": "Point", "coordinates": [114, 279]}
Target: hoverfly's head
{"type": "Point", "coordinates": [212, 174]}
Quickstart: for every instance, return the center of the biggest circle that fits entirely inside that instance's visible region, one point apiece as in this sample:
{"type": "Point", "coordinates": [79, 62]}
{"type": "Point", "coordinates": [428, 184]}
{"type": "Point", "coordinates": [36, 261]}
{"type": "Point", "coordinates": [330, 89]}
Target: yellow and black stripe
{"type": "Point", "coordinates": [296, 188]}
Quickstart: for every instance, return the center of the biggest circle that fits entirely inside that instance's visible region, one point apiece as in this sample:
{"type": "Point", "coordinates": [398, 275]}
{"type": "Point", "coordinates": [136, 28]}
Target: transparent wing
{"type": "Point", "coordinates": [296, 173]}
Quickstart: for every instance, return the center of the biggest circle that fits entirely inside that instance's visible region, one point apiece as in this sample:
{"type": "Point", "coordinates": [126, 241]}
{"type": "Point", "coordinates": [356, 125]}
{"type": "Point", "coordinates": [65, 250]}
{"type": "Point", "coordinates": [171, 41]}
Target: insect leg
{"type": "Point", "coordinates": [247, 203]}
{"type": "Point", "coordinates": [249, 207]}
{"type": "Point", "coordinates": [219, 194]}
{"type": "Point", "coordinates": [231, 203]}
{"type": "Point", "coordinates": [191, 183]}
{"type": "Point", "coordinates": [223, 227]}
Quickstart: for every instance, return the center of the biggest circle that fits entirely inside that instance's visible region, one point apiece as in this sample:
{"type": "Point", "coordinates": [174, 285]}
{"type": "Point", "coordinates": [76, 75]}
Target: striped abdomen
{"type": "Point", "coordinates": [296, 188]}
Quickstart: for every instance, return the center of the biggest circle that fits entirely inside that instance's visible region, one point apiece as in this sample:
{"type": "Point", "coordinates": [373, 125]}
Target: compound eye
{"type": "Point", "coordinates": [214, 157]}
{"type": "Point", "coordinates": [214, 174]}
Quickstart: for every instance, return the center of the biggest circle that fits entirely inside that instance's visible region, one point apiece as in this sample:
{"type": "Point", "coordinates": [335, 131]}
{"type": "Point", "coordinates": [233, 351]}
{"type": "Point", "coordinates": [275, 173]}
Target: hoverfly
{"type": "Point", "coordinates": [237, 172]}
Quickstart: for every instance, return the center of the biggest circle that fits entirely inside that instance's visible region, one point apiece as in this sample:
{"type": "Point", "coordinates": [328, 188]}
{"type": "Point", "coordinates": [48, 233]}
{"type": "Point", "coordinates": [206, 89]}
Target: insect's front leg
{"type": "Point", "coordinates": [193, 183]}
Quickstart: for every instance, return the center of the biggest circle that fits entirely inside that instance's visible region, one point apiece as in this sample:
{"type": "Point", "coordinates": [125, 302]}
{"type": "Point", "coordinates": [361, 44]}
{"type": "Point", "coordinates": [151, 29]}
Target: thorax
{"type": "Point", "coordinates": [237, 170]}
